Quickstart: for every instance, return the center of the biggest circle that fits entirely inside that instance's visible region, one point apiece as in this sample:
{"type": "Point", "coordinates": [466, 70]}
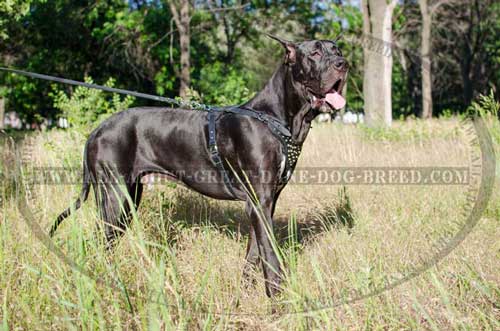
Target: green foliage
{"type": "Point", "coordinates": [419, 131]}
{"type": "Point", "coordinates": [165, 81]}
{"type": "Point", "coordinates": [220, 85]}
{"type": "Point", "coordinates": [488, 108]}
{"type": "Point", "coordinates": [138, 43]}
{"type": "Point", "coordinates": [446, 113]}
{"type": "Point", "coordinates": [402, 105]}
{"type": "Point", "coordinates": [11, 10]}
{"type": "Point", "coordinates": [86, 106]}
{"type": "Point", "coordinates": [381, 133]}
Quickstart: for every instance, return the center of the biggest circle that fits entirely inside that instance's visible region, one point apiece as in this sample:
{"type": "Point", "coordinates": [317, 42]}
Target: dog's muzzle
{"type": "Point", "coordinates": [333, 97]}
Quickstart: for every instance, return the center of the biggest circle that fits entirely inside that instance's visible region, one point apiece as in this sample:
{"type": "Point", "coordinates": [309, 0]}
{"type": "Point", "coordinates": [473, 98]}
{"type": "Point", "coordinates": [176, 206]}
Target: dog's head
{"type": "Point", "coordinates": [321, 70]}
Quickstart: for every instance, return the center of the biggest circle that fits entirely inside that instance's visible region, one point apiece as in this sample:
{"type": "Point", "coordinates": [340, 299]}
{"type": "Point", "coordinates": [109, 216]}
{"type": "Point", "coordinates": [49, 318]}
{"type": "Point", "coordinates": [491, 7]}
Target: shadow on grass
{"type": "Point", "coordinates": [332, 216]}
{"type": "Point", "coordinates": [191, 210]}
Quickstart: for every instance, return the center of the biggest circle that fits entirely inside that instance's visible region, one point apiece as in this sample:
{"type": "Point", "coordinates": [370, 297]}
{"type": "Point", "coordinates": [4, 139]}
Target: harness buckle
{"type": "Point", "coordinates": [214, 155]}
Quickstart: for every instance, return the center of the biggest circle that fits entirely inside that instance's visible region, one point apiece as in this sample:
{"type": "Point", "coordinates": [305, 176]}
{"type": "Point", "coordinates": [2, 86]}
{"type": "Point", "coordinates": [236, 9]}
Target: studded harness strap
{"type": "Point", "coordinates": [278, 128]}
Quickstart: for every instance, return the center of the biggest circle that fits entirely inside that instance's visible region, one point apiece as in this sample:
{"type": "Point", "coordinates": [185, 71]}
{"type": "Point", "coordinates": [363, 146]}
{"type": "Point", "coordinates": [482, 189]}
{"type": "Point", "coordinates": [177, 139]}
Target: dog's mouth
{"type": "Point", "coordinates": [333, 97]}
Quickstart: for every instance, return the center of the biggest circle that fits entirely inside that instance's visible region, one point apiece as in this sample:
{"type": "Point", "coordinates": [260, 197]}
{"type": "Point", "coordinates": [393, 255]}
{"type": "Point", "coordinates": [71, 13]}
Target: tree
{"type": "Point", "coordinates": [467, 51]}
{"type": "Point", "coordinates": [10, 11]}
{"type": "Point", "coordinates": [425, 56]}
{"type": "Point", "coordinates": [180, 13]}
{"type": "Point", "coordinates": [235, 24]}
{"type": "Point", "coordinates": [377, 53]}
{"type": "Point", "coordinates": [478, 19]}
{"type": "Point", "coordinates": [2, 111]}
{"type": "Point", "coordinates": [427, 10]}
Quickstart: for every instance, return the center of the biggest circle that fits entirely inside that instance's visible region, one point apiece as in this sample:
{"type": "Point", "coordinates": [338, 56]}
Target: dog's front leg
{"type": "Point", "coordinates": [252, 257]}
{"type": "Point", "coordinates": [262, 223]}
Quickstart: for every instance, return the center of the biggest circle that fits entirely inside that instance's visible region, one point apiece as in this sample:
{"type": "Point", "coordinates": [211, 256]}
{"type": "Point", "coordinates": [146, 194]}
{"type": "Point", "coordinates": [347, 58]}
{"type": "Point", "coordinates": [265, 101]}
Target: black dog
{"type": "Point", "coordinates": [176, 143]}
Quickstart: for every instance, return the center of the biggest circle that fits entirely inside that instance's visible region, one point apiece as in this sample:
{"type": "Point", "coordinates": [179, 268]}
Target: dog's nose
{"type": "Point", "coordinates": [340, 63]}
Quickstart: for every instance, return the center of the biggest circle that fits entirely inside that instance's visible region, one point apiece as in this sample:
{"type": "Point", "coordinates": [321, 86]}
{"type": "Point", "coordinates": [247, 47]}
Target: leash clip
{"type": "Point", "coordinates": [260, 117]}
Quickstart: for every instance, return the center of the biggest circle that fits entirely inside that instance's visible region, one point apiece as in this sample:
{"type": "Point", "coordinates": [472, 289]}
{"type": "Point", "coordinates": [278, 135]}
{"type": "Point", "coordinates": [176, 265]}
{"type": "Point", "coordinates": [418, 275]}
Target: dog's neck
{"type": "Point", "coordinates": [283, 98]}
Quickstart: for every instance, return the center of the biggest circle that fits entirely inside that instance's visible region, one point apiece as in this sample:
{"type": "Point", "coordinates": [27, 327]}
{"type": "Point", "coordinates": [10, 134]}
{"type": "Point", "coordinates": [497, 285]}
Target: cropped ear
{"type": "Point", "coordinates": [340, 35]}
{"type": "Point", "coordinates": [290, 48]}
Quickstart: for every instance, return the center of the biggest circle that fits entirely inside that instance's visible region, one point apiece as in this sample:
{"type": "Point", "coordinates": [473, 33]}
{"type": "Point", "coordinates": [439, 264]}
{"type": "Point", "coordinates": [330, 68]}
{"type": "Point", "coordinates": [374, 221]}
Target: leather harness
{"type": "Point", "coordinates": [291, 150]}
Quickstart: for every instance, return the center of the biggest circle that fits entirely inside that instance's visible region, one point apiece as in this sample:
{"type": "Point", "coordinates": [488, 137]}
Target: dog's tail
{"type": "Point", "coordinates": [83, 195]}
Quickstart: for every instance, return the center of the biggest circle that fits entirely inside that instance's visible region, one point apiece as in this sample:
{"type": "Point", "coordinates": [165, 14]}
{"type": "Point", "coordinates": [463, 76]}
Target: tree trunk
{"type": "Point", "coordinates": [468, 53]}
{"type": "Point", "coordinates": [180, 13]}
{"type": "Point", "coordinates": [425, 56]}
{"type": "Point", "coordinates": [377, 53]}
{"type": "Point", "coordinates": [468, 89]}
{"type": "Point", "coordinates": [2, 112]}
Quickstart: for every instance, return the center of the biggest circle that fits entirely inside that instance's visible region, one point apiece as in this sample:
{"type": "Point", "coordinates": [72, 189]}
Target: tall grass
{"type": "Point", "coordinates": [180, 264]}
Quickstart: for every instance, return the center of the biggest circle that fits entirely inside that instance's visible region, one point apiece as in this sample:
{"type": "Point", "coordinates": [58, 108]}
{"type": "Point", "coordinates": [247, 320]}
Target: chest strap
{"type": "Point", "coordinates": [214, 151]}
{"type": "Point", "coordinates": [291, 150]}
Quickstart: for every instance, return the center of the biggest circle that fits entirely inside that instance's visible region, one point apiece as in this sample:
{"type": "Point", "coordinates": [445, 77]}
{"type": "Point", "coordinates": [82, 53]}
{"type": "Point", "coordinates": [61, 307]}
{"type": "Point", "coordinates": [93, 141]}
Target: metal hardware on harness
{"type": "Point", "coordinates": [281, 131]}
{"type": "Point", "coordinates": [292, 153]}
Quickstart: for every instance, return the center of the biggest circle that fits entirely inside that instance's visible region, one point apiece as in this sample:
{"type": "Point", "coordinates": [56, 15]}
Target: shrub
{"type": "Point", "coordinates": [85, 106]}
{"type": "Point", "coordinates": [488, 108]}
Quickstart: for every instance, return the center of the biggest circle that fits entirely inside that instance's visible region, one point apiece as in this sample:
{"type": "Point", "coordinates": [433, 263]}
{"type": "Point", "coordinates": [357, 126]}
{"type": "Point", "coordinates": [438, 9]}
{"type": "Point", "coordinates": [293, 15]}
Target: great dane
{"type": "Point", "coordinates": [175, 143]}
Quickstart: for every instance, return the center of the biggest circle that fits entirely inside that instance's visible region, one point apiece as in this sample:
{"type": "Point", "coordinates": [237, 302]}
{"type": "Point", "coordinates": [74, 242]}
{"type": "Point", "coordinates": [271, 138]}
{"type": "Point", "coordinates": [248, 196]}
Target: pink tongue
{"type": "Point", "coordinates": [335, 100]}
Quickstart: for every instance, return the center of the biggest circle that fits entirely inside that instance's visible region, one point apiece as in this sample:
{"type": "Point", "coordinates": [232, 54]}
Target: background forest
{"type": "Point", "coordinates": [444, 52]}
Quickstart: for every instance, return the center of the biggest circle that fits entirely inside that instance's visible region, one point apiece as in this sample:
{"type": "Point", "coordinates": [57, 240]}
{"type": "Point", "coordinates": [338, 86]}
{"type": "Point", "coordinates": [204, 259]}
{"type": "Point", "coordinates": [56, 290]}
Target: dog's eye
{"type": "Point", "coordinates": [336, 51]}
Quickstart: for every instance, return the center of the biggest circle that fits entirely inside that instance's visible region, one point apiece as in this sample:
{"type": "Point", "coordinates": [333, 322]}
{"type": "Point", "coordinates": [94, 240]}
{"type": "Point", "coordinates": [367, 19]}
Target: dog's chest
{"type": "Point", "coordinates": [290, 156]}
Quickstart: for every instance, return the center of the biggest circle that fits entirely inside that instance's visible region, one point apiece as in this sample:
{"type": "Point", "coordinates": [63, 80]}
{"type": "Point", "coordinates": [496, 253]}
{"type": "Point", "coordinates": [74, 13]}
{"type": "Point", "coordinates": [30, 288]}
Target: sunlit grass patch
{"type": "Point", "coordinates": [179, 266]}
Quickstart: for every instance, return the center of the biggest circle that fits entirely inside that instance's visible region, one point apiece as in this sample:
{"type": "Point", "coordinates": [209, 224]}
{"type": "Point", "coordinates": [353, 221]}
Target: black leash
{"type": "Point", "coordinates": [191, 104]}
{"type": "Point", "coordinates": [279, 129]}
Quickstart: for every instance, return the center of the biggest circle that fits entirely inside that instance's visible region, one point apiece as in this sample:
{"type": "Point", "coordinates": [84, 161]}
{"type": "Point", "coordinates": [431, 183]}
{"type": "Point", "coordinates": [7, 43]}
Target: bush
{"type": "Point", "coordinates": [220, 85]}
{"type": "Point", "coordinates": [488, 108]}
{"type": "Point", "coordinates": [86, 106]}
{"type": "Point", "coordinates": [485, 106]}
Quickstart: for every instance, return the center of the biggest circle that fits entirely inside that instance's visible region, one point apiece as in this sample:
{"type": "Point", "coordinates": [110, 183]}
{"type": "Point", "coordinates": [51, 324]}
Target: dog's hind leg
{"type": "Point", "coordinates": [252, 255]}
{"type": "Point", "coordinates": [116, 210]}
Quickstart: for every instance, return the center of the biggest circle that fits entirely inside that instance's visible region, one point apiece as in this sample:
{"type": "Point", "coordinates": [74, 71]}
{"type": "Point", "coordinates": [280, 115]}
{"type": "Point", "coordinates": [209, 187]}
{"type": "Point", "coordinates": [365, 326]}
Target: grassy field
{"type": "Point", "coordinates": [180, 265]}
